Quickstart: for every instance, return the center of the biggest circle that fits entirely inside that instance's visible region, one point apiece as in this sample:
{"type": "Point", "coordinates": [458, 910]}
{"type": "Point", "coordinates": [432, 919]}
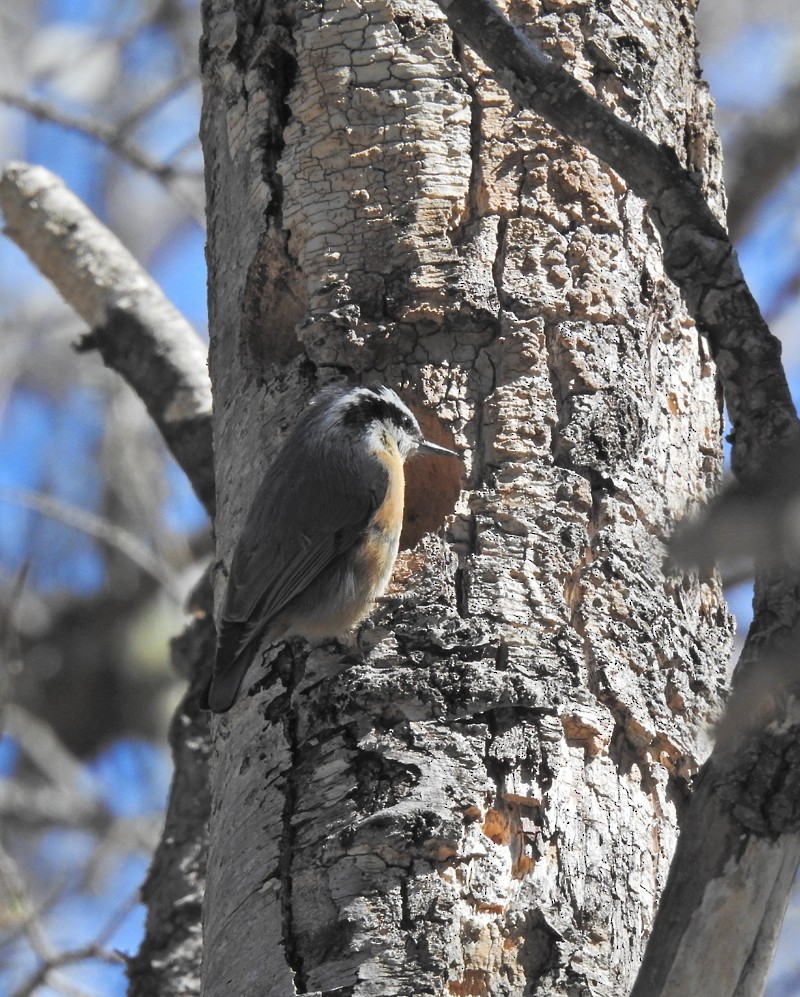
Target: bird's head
{"type": "Point", "coordinates": [377, 412]}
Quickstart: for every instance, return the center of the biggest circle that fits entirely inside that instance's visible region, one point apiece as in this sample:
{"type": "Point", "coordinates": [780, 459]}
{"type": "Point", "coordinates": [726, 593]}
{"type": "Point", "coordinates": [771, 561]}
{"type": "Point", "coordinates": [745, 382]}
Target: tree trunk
{"type": "Point", "coordinates": [487, 803]}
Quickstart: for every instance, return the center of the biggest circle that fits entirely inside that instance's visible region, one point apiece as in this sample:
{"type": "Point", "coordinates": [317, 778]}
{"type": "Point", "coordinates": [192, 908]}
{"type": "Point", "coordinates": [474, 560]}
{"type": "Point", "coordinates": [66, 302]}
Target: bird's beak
{"type": "Point", "coordinates": [435, 449]}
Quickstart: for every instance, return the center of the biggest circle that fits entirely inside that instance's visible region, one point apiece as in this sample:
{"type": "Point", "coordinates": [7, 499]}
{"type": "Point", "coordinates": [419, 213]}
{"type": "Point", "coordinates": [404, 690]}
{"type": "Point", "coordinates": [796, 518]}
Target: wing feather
{"type": "Point", "coordinates": [293, 533]}
{"type": "Point", "coordinates": [296, 527]}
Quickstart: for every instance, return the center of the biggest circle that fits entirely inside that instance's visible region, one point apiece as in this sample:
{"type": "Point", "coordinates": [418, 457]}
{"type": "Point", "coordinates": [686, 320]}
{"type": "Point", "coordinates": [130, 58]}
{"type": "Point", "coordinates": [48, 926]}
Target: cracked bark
{"type": "Point", "coordinates": [725, 859]}
{"type": "Point", "coordinates": [487, 803]}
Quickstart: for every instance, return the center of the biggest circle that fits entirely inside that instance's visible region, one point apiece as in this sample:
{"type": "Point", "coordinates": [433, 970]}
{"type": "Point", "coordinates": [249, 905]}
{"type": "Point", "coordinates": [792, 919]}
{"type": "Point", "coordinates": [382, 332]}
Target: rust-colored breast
{"type": "Point", "coordinates": [383, 536]}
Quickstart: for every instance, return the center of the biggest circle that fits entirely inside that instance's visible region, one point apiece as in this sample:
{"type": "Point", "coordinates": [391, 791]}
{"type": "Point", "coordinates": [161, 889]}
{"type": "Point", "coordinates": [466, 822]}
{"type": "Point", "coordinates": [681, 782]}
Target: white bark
{"type": "Point", "coordinates": [717, 926]}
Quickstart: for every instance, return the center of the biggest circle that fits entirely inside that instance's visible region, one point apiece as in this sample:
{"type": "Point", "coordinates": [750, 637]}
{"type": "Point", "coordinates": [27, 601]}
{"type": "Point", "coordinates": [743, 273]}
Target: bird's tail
{"type": "Point", "coordinates": [221, 692]}
{"type": "Point", "coordinates": [236, 645]}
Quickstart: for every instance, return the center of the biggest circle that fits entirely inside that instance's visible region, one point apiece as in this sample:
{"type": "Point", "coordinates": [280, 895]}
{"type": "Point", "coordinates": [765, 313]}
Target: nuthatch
{"type": "Point", "coordinates": [322, 534]}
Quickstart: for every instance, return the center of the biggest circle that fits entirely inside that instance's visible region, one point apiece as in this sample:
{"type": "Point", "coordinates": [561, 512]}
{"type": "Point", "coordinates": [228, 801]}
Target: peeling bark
{"type": "Point", "coordinates": [487, 803]}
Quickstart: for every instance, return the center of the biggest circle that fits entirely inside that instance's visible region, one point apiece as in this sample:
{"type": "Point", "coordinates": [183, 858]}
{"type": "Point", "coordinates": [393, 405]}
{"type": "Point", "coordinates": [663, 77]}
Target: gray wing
{"type": "Point", "coordinates": [294, 530]}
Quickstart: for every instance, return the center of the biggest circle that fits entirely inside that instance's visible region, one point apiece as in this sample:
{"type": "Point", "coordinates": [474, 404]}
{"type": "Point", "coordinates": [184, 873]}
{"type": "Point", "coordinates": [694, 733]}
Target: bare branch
{"type": "Point", "coordinates": [9, 650]}
{"type": "Point", "coordinates": [138, 332]}
{"type": "Point", "coordinates": [46, 972]}
{"type": "Point", "coordinates": [185, 186]}
{"type": "Point", "coordinates": [39, 742]}
{"type": "Point", "coordinates": [99, 529]}
{"type": "Point", "coordinates": [63, 798]}
{"type": "Point", "coordinates": [47, 806]}
{"type": "Point", "coordinates": [155, 100]}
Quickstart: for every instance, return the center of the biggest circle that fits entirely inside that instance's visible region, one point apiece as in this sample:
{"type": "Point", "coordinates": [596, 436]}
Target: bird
{"type": "Point", "coordinates": [322, 534]}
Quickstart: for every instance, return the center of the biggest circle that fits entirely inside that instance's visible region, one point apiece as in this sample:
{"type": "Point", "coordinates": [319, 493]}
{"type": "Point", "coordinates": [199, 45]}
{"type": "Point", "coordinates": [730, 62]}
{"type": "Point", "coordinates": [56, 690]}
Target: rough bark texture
{"type": "Point", "coordinates": [739, 843]}
{"type": "Point", "coordinates": [487, 803]}
{"type": "Point", "coordinates": [168, 960]}
{"type": "Point", "coordinates": [698, 255]}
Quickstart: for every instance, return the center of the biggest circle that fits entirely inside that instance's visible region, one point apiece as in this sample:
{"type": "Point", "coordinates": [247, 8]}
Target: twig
{"type": "Point", "coordinates": [114, 138]}
{"type": "Point", "coordinates": [8, 634]}
{"type": "Point", "coordinates": [39, 742]}
{"type": "Point", "coordinates": [154, 100]}
{"type": "Point", "coordinates": [99, 529]}
{"type": "Point", "coordinates": [43, 974]}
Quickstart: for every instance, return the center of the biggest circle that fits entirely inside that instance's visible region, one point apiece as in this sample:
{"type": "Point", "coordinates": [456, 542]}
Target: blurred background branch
{"type": "Point", "coordinates": [136, 329]}
{"type": "Point", "coordinates": [101, 535]}
{"type": "Point", "coordinates": [762, 156]}
{"type": "Point", "coordinates": [186, 186]}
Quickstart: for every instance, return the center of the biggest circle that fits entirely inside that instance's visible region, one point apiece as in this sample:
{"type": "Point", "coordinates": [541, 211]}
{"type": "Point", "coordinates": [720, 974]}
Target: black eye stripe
{"type": "Point", "coordinates": [368, 406]}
